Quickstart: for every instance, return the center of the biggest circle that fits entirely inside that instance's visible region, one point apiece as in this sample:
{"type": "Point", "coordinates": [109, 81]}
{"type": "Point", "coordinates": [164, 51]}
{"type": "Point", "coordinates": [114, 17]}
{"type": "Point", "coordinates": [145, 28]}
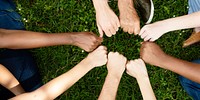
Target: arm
{"type": "Point", "coordinates": [19, 39]}
{"type": "Point", "coordinates": [152, 54]}
{"type": "Point", "coordinates": [9, 81]}
{"type": "Point", "coordinates": [116, 66]}
{"type": "Point", "coordinates": [107, 20]}
{"type": "Point", "coordinates": [57, 86]}
{"type": "Point", "coordinates": [136, 68]}
{"type": "Point", "coordinates": [180, 67]}
{"type": "Point", "coordinates": [154, 31]}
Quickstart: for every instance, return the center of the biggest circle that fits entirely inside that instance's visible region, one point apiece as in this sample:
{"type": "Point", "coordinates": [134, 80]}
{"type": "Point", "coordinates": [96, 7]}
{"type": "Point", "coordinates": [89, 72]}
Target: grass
{"type": "Point", "coordinates": [79, 15]}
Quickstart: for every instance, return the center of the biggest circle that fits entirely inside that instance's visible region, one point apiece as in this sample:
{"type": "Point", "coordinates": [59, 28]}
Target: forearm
{"type": "Point", "coordinates": [19, 39]}
{"type": "Point", "coordinates": [57, 86]}
{"type": "Point", "coordinates": [145, 88]}
{"type": "Point", "coordinates": [126, 3]}
{"type": "Point", "coordinates": [109, 90]}
{"type": "Point", "coordinates": [9, 81]}
{"type": "Point", "coordinates": [187, 69]}
{"type": "Point", "coordinates": [182, 22]}
{"type": "Point", "coordinates": [100, 4]}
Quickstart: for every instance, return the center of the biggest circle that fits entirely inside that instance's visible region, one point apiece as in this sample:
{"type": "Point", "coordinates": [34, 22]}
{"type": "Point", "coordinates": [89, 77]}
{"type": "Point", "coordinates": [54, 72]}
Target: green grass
{"type": "Point", "coordinates": [79, 15]}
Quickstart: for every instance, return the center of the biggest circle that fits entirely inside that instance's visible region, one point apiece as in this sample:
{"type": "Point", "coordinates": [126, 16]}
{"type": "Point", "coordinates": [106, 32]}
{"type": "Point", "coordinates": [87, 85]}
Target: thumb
{"type": "Point", "coordinates": [137, 31]}
{"type": "Point", "coordinates": [100, 31]}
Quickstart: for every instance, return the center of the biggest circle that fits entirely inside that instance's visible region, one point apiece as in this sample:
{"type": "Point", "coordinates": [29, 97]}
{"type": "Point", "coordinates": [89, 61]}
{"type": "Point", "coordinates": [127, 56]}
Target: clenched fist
{"type": "Point", "coordinates": [116, 64]}
{"type": "Point", "coordinates": [136, 68]}
{"type": "Point", "coordinates": [98, 57]}
{"type": "Point", "coordinates": [151, 53]}
{"type": "Point", "coordinates": [86, 40]}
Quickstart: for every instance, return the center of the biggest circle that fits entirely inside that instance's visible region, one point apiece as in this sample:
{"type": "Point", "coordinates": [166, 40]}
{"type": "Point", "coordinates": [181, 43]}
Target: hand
{"type": "Point", "coordinates": [153, 31]}
{"type": "Point", "coordinates": [98, 57]}
{"type": "Point", "coordinates": [116, 64]}
{"type": "Point", "coordinates": [129, 19]}
{"type": "Point", "coordinates": [86, 40]}
{"type": "Point", "coordinates": [107, 21]}
{"type": "Point", "coordinates": [151, 53]}
{"type": "Point", "coordinates": [136, 68]}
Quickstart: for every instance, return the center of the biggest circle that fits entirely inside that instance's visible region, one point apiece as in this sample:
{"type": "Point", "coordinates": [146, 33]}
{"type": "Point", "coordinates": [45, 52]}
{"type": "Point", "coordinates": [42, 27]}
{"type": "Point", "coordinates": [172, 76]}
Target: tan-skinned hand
{"type": "Point", "coordinates": [151, 53]}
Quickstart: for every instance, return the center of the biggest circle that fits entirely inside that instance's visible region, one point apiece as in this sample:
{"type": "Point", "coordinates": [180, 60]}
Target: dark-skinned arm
{"type": "Point", "coordinates": [20, 39]}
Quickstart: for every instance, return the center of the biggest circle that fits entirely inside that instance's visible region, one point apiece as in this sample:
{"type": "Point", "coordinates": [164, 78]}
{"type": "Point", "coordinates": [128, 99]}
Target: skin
{"type": "Point", "coordinates": [136, 68]}
{"type": "Point", "coordinates": [129, 19]}
{"type": "Point", "coordinates": [155, 30]}
{"type": "Point", "coordinates": [116, 66]}
{"type": "Point", "coordinates": [151, 53]}
{"type": "Point", "coordinates": [9, 81]}
{"type": "Point", "coordinates": [19, 39]}
{"type": "Point", "coordinates": [107, 20]}
{"type": "Point", "coordinates": [57, 86]}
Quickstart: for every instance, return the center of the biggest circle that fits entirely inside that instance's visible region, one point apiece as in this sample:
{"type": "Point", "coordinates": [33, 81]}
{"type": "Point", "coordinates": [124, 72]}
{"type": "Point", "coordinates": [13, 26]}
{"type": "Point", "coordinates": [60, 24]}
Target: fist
{"type": "Point", "coordinates": [152, 32]}
{"type": "Point", "coordinates": [98, 57]}
{"type": "Point", "coordinates": [151, 53]}
{"type": "Point", "coordinates": [86, 40]}
{"type": "Point", "coordinates": [136, 68]}
{"type": "Point", "coordinates": [116, 63]}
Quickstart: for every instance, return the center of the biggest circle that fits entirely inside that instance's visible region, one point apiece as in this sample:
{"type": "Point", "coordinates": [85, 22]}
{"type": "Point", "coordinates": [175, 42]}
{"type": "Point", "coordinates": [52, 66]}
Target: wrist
{"type": "Point", "coordinates": [100, 4]}
{"type": "Point", "coordinates": [166, 25]}
{"type": "Point", "coordinates": [65, 38]}
{"type": "Point", "coordinates": [142, 78]}
{"type": "Point", "coordinates": [167, 60]}
{"type": "Point", "coordinates": [116, 75]}
{"type": "Point", "coordinates": [74, 38]}
{"type": "Point", "coordinates": [87, 63]}
{"type": "Point", "coordinates": [125, 3]}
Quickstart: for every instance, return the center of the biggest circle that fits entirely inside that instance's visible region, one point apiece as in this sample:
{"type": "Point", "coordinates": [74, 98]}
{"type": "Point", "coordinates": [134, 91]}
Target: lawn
{"type": "Point", "coordinates": [52, 16]}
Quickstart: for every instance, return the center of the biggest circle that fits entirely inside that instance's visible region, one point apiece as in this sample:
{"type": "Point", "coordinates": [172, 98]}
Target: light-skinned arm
{"type": "Point", "coordinates": [107, 20]}
{"type": "Point", "coordinates": [116, 66]}
{"type": "Point", "coordinates": [20, 39]}
{"type": "Point", "coordinates": [60, 84]}
{"type": "Point", "coordinates": [155, 30]}
{"type": "Point", "coordinates": [136, 68]}
{"type": "Point", "coordinates": [9, 81]}
{"type": "Point", "coordinates": [151, 53]}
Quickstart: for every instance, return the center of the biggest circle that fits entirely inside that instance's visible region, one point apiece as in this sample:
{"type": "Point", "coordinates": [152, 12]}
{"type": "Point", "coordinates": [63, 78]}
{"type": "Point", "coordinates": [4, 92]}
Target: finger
{"type": "Point", "coordinates": [92, 48]}
{"type": "Point", "coordinates": [147, 38]}
{"type": "Point", "coordinates": [110, 53]}
{"type": "Point", "coordinates": [116, 53]}
{"type": "Point", "coordinates": [108, 33]}
{"type": "Point", "coordinates": [115, 24]}
{"type": "Point", "coordinates": [105, 48]}
{"type": "Point", "coordinates": [100, 47]}
{"type": "Point", "coordinates": [116, 28]}
{"type": "Point", "coordinates": [99, 40]}
{"type": "Point", "coordinates": [137, 30]}
{"type": "Point", "coordinates": [122, 25]}
{"type": "Point", "coordinates": [152, 39]}
{"type": "Point", "coordinates": [142, 30]}
{"type": "Point", "coordinates": [141, 61]}
{"type": "Point", "coordinates": [130, 30]}
{"type": "Point", "coordinates": [125, 29]}
{"type": "Point", "coordinates": [100, 31]}
{"type": "Point", "coordinates": [95, 45]}
{"type": "Point", "coordinates": [112, 30]}
{"type": "Point", "coordinates": [144, 35]}
{"type": "Point", "coordinates": [127, 72]}
{"type": "Point", "coordinates": [118, 23]}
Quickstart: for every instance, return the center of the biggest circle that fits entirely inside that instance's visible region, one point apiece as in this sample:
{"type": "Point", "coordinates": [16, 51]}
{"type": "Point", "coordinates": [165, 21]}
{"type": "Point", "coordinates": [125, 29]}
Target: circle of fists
{"type": "Point", "coordinates": [116, 63]}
